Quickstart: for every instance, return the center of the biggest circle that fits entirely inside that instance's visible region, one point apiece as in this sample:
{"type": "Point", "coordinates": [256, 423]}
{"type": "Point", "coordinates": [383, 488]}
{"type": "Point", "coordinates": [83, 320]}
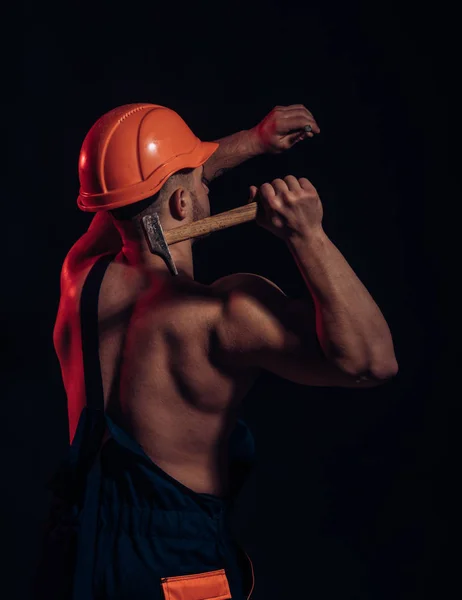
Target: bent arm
{"type": "Point", "coordinates": [350, 327]}
{"type": "Point", "coordinates": [260, 327]}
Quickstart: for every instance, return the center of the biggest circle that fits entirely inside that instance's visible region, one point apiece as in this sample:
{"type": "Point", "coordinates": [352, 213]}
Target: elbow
{"type": "Point", "coordinates": [384, 370]}
{"type": "Point", "coordinates": [379, 369]}
{"type": "Point", "coordinates": [382, 361]}
{"type": "Point", "coordinates": [373, 361]}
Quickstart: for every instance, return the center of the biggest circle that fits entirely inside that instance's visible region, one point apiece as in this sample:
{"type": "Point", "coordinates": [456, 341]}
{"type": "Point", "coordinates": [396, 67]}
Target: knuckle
{"type": "Point", "coordinates": [276, 222]}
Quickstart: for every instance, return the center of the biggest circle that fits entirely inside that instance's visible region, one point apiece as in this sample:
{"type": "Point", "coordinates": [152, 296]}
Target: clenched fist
{"type": "Point", "coordinates": [288, 207]}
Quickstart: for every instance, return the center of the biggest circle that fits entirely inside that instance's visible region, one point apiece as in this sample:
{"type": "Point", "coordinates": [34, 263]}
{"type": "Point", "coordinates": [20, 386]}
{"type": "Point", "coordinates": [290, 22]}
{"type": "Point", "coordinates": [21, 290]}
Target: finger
{"type": "Point", "coordinates": [293, 107]}
{"type": "Point", "coordinates": [267, 191]}
{"type": "Point", "coordinates": [299, 108]}
{"type": "Point", "coordinates": [252, 193]}
{"type": "Point", "coordinates": [298, 136]}
{"type": "Point", "coordinates": [306, 184]}
{"type": "Point", "coordinates": [292, 183]}
{"type": "Point", "coordinates": [293, 121]}
{"type": "Point", "coordinates": [269, 195]}
{"type": "Point", "coordinates": [285, 111]}
{"type": "Point", "coordinates": [280, 186]}
{"type": "Point", "coordinates": [270, 204]}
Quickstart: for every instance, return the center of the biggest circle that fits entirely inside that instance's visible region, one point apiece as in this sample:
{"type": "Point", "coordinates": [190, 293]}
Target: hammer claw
{"type": "Point", "coordinates": [156, 240]}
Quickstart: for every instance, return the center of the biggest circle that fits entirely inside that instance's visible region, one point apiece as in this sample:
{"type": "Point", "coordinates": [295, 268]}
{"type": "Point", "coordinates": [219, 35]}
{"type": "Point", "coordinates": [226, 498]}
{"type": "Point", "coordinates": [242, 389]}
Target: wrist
{"type": "Point", "coordinates": [314, 238]}
{"type": "Point", "coordinates": [255, 142]}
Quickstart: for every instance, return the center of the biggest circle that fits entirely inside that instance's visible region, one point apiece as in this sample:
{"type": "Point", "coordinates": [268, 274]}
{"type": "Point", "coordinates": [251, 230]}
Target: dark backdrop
{"type": "Point", "coordinates": [347, 479]}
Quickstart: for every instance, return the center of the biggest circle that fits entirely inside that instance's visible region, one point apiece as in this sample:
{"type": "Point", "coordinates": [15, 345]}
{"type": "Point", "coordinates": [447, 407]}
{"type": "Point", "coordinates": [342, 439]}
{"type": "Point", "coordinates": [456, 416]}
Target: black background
{"type": "Point", "coordinates": [348, 480]}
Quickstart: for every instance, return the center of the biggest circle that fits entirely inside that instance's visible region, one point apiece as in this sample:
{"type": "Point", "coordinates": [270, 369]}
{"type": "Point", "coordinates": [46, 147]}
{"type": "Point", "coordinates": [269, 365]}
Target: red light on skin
{"type": "Point", "coordinates": [83, 160]}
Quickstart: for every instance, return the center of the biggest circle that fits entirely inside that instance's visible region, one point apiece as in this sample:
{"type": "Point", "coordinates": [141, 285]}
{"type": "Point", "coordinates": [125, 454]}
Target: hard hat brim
{"type": "Point", "coordinates": [111, 200]}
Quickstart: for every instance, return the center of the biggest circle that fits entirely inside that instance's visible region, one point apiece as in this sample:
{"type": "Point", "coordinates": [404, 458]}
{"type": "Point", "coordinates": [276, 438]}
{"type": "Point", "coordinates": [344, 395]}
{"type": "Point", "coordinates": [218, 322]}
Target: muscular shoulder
{"type": "Point", "coordinates": [256, 311]}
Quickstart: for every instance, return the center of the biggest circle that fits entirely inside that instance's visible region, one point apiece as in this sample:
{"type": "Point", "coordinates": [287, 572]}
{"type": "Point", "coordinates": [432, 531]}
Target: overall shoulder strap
{"type": "Point", "coordinates": [90, 336]}
{"type": "Point", "coordinates": [94, 427]}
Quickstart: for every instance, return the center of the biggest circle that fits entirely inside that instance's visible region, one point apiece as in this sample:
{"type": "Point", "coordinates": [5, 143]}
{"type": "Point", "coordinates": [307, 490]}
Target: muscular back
{"type": "Point", "coordinates": [162, 376]}
{"type": "Point", "coordinates": [177, 357]}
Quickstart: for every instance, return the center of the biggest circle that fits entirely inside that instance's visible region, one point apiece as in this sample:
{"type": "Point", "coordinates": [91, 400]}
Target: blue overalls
{"type": "Point", "coordinates": [123, 529]}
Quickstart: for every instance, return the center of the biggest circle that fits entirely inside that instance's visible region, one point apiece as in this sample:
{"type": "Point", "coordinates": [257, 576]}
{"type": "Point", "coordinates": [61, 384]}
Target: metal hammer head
{"type": "Point", "coordinates": [156, 240]}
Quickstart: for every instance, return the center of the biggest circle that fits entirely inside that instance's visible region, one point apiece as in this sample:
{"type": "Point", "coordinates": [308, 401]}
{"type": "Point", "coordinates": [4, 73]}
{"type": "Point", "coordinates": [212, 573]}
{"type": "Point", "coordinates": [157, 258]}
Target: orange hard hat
{"type": "Point", "coordinates": [131, 151]}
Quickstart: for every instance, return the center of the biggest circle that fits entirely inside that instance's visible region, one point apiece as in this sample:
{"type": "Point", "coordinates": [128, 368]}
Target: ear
{"type": "Point", "coordinates": [179, 204]}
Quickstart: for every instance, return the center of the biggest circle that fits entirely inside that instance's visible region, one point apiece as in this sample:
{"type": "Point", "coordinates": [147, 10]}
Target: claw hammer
{"type": "Point", "coordinates": [159, 241]}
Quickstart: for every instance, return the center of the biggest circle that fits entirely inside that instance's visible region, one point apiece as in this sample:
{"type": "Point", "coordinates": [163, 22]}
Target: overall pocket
{"type": "Point", "coordinates": [212, 585]}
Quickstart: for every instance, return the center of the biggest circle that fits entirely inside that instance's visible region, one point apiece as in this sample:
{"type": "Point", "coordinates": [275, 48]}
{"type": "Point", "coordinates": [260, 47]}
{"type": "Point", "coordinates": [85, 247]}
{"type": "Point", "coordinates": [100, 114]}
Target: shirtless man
{"type": "Point", "coordinates": [178, 357]}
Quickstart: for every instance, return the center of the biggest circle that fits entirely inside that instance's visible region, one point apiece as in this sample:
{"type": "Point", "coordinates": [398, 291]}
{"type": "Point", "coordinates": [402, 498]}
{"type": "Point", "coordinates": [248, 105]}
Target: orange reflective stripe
{"type": "Point", "coordinates": [253, 576]}
{"type": "Point", "coordinates": [212, 585]}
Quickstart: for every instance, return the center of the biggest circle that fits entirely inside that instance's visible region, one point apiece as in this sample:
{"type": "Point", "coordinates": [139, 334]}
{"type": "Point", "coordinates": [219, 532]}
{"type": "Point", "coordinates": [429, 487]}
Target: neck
{"type": "Point", "coordinates": [136, 251]}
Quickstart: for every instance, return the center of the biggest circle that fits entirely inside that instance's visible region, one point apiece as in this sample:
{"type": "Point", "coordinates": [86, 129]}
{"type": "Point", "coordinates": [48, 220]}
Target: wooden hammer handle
{"type": "Point", "coordinates": [242, 214]}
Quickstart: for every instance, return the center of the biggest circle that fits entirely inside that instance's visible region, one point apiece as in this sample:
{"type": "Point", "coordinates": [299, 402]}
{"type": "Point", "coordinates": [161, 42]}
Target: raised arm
{"type": "Point", "coordinates": [281, 129]}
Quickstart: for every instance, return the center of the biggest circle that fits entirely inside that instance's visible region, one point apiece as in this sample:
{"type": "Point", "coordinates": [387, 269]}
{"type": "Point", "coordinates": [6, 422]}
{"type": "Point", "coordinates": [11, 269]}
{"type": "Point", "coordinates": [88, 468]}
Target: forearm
{"type": "Point", "coordinates": [350, 326]}
{"type": "Point", "coordinates": [234, 150]}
